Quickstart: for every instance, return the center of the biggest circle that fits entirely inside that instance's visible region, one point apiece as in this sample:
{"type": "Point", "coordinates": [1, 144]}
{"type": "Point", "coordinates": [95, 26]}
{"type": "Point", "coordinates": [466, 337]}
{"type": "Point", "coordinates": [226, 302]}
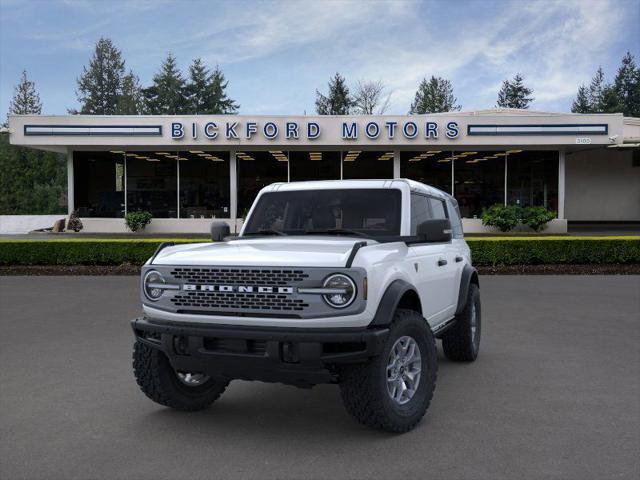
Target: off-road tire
{"type": "Point", "coordinates": [364, 386]}
{"type": "Point", "coordinates": [458, 343]}
{"type": "Point", "coordinates": [159, 381]}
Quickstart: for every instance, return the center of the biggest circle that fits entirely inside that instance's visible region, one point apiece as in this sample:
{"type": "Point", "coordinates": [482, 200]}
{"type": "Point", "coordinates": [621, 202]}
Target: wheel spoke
{"type": "Point", "coordinates": [404, 365]}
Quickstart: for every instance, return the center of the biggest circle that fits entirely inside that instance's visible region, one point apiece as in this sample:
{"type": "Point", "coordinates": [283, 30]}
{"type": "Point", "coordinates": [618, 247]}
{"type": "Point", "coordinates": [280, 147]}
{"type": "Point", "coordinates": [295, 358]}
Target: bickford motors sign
{"type": "Point", "coordinates": [295, 130]}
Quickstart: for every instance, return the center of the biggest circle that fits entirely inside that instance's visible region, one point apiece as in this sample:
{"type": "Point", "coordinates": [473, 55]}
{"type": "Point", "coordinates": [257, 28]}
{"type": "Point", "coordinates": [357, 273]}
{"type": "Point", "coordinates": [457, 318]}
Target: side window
{"type": "Point", "coordinates": [438, 209]}
{"type": "Point", "coordinates": [420, 211]}
{"type": "Point", "coordinates": [454, 216]}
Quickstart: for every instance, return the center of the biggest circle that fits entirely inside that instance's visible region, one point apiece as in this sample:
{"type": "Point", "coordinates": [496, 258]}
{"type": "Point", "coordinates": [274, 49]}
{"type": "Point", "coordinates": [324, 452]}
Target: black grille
{"type": "Point", "coordinates": [228, 345]}
{"type": "Point", "coordinates": [237, 276]}
{"type": "Point", "coordinates": [244, 301]}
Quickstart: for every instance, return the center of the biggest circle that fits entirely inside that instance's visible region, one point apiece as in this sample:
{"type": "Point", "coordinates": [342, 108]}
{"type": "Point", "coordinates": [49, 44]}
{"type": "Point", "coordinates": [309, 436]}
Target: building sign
{"type": "Point", "coordinates": [291, 130]}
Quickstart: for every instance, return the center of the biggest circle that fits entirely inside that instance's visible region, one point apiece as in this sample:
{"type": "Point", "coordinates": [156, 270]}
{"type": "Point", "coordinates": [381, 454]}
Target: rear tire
{"type": "Point", "coordinates": [160, 382]}
{"type": "Point", "coordinates": [461, 342]}
{"type": "Point", "coordinates": [364, 387]}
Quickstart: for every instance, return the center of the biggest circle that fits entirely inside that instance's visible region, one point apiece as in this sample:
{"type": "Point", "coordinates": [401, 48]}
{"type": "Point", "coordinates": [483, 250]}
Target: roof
{"type": "Point", "coordinates": [354, 184]}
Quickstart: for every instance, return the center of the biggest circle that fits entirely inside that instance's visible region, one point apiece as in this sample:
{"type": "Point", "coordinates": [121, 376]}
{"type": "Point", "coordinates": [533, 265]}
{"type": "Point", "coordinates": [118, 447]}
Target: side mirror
{"type": "Point", "coordinates": [219, 230]}
{"type": "Point", "coordinates": [436, 231]}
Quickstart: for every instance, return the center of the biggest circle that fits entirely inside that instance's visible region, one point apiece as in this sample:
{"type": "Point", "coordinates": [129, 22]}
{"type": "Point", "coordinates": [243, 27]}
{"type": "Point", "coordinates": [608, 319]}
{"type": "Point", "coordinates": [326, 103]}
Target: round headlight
{"type": "Point", "coordinates": [152, 285]}
{"type": "Point", "coordinates": [343, 290]}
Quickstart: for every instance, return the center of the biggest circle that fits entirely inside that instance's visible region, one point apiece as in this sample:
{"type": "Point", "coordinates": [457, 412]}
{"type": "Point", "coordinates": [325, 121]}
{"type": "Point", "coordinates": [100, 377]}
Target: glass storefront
{"type": "Point", "coordinates": [152, 183]}
{"type": "Point", "coordinates": [432, 167]}
{"type": "Point", "coordinates": [478, 180]}
{"type": "Point", "coordinates": [314, 166]}
{"type": "Point", "coordinates": [196, 184]}
{"type": "Point", "coordinates": [257, 170]}
{"type": "Point", "coordinates": [204, 184]}
{"type": "Point", "coordinates": [532, 178]}
{"type": "Point", "coordinates": [99, 184]}
{"type": "Point", "coordinates": [364, 164]}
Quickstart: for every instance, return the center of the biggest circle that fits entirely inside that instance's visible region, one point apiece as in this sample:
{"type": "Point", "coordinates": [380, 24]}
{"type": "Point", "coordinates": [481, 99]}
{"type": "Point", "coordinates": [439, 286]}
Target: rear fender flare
{"type": "Point", "coordinates": [469, 276]}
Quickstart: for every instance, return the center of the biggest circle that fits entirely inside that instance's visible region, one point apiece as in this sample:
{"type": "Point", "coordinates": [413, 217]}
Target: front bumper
{"type": "Point", "coordinates": [302, 357]}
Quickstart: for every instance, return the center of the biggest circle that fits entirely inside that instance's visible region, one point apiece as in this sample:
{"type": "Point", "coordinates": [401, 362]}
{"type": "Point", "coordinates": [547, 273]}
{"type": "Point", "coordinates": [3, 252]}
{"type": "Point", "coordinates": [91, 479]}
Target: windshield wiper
{"type": "Point", "coordinates": [336, 231]}
{"type": "Point", "coordinates": [266, 232]}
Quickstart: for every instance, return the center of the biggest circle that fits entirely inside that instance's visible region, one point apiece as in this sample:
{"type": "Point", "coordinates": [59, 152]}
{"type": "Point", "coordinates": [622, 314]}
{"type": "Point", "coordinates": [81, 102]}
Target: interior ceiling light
{"type": "Point", "coordinates": [131, 154]}
{"type": "Point", "coordinates": [434, 151]}
{"type": "Point", "coordinates": [444, 160]}
{"type": "Point", "coordinates": [162, 153]}
{"type": "Point", "coordinates": [152, 160]}
{"type": "Point", "coordinates": [116, 151]}
{"type": "Point", "coordinates": [514, 151]}
{"type": "Point", "coordinates": [196, 151]}
{"type": "Point", "coordinates": [141, 157]}
{"type": "Point", "coordinates": [500, 154]}
{"type": "Point", "coordinates": [470, 153]}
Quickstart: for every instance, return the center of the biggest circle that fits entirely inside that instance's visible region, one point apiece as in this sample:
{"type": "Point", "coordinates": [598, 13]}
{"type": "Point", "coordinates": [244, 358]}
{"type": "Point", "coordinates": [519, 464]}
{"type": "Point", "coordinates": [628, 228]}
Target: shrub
{"type": "Point", "coordinates": [485, 251]}
{"type": "Point", "coordinates": [137, 220]}
{"type": "Point", "coordinates": [504, 218]}
{"type": "Point", "coordinates": [74, 223]}
{"type": "Point", "coordinates": [537, 217]}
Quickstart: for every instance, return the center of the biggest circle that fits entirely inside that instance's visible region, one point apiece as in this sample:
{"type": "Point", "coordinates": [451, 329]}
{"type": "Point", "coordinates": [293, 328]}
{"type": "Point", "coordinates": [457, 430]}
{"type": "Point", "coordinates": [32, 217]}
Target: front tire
{"type": "Point", "coordinates": [379, 393]}
{"type": "Point", "coordinates": [462, 342]}
{"type": "Point", "coordinates": [162, 384]}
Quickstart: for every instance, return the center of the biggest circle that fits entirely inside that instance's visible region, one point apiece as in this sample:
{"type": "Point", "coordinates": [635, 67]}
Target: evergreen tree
{"type": "Point", "coordinates": [596, 91]}
{"type": "Point", "coordinates": [196, 89]}
{"type": "Point", "coordinates": [219, 102]}
{"type": "Point", "coordinates": [338, 101]}
{"type": "Point", "coordinates": [100, 85]}
{"type": "Point", "coordinates": [514, 94]}
{"type": "Point", "coordinates": [627, 86]}
{"type": "Point", "coordinates": [167, 95]}
{"type": "Point", "coordinates": [433, 96]}
{"type": "Point", "coordinates": [206, 91]}
{"type": "Point", "coordinates": [25, 99]}
{"type": "Point", "coordinates": [130, 101]}
{"type": "Point", "coordinates": [581, 104]}
{"type": "Point", "coordinates": [31, 181]}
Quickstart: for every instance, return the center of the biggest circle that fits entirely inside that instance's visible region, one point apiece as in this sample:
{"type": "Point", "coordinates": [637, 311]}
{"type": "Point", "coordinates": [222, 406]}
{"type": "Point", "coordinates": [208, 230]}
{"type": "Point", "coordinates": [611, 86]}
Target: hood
{"type": "Point", "coordinates": [311, 251]}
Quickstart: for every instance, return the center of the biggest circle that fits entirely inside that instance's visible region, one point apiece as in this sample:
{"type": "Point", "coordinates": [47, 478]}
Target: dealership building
{"type": "Point", "coordinates": [186, 170]}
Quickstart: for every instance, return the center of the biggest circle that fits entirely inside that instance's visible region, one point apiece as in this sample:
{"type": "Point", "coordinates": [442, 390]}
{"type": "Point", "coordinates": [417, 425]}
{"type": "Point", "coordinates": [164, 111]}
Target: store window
{"type": "Point", "coordinates": [532, 178]}
{"type": "Point", "coordinates": [316, 165]}
{"type": "Point", "coordinates": [431, 167]}
{"type": "Point", "coordinates": [99, 184]}
{"type": "Point", "coordinates": [204, 184]}
{"type": "Point", "coordinates": [363, 164]}
{"type": "Point", "coordinates": [257, 170]}
{"type": "Point", "coordinates": [478, 180]}
{"type": "Point", "coordinates": [152, 183]}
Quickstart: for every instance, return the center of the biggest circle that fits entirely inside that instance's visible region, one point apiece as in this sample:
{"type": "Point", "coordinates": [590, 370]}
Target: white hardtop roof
{"type": "Point", "coordinates": [347, 184]}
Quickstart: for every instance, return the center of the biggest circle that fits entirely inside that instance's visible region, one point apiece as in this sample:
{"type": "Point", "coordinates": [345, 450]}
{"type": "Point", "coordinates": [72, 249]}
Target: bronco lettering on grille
{"type": "Point", "coordinates": [237, 289]}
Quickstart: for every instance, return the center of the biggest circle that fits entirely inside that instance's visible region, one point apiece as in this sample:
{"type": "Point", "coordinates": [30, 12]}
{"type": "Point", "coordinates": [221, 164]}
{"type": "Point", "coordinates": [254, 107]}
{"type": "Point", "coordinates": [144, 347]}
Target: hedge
{"type": "Point", "coordinates": [485, 250]}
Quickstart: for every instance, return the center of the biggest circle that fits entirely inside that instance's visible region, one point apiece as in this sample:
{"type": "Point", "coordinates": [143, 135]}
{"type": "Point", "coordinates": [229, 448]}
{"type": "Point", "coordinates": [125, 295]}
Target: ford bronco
{"type": "Point", "coordinates": [347, 282]}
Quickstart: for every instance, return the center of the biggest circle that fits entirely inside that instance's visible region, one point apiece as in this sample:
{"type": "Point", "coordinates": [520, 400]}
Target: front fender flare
{"type": "Point", "coordinates": [389, 302]}
{"type": "Point", "coordinates": [469, 275]}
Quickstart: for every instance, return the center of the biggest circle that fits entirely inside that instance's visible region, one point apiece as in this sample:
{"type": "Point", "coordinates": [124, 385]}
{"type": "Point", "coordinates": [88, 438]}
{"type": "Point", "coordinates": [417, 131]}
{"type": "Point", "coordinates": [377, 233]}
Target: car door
{"type": "Point", "coordinates": [427, 261]}
{"type": "Point", "coordinates": [451, 270]}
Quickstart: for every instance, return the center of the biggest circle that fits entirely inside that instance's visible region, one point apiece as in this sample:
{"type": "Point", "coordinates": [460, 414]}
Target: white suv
{"type": "Point", "coordinates": [347, 282]}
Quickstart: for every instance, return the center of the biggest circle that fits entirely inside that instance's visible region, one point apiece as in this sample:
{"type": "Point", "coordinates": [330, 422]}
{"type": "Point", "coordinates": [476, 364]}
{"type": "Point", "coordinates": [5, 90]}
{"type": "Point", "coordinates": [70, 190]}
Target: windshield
{"type": "Point", "coordinates": [359, 212]}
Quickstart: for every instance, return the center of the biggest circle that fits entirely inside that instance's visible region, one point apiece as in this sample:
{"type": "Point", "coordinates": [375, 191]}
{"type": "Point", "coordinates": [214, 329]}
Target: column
{"type": "Point", "coordinates": [70, 183]}
{"type": "Point", "coordinates": [561, 177]}
{"type": "Point", "coordinates": [233, 183]}
{"type": "Point", "coordinates": [396, 164]}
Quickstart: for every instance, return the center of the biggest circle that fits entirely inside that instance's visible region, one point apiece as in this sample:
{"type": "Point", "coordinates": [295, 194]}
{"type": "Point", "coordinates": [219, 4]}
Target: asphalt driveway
{"type": "Point", "coordinates": [555, 393]}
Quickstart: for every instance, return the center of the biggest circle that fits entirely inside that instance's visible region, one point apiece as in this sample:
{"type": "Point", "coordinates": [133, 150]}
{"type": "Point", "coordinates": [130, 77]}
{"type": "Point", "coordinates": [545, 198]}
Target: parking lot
{"type": "Point", "coordinates": [555, 393]}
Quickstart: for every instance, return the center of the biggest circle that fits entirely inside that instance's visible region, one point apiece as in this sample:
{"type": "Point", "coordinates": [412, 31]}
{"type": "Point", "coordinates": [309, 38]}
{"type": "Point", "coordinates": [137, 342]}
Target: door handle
{"type": "Point", "coordinates": [442, 262]}
{"type": "Point", "coordinates": [459, 259]}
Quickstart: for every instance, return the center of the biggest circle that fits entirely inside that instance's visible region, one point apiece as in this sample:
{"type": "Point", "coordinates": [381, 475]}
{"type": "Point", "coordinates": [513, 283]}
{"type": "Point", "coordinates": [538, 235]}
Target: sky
{"type": "Point", "coordinates": [275, 54]}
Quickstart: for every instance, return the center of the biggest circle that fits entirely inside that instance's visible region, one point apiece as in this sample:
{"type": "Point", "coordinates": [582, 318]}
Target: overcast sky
{"type": "Point", "coordinates": [276, 53]}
